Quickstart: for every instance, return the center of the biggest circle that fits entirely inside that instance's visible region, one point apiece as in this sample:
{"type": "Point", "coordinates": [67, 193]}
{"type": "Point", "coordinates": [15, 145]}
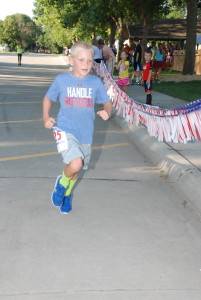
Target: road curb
{"type": "Point", "coordinates": [185, 176]}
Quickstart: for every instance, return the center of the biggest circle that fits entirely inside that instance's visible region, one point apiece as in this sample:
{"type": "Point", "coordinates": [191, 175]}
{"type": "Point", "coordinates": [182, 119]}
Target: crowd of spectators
{"type": "Point", "coordinates": [162, 55]}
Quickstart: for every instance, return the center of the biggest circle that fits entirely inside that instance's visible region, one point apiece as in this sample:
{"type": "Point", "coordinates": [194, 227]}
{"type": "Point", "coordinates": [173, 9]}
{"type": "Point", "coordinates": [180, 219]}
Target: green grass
{"type": "Point", "coordinates": [189, 91]}
{"type": "Point", "coordinates": [167, 72]}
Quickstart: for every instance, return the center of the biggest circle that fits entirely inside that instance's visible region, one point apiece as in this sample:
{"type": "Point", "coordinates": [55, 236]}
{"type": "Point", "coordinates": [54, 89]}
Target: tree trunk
{"type": "Point", "coordinates": [120, 27]}
{"type": "Point", "coordinates": [189, 61]}
{"type": "Point", "coordinates": [144, 37]}
{"type": "Point", "coordinates": [113, 29]}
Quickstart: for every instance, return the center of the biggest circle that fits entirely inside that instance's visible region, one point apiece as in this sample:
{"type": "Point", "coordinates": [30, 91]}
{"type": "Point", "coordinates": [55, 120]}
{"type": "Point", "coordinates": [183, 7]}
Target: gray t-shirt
{"type": "Point", "coordinates": [77, 98]}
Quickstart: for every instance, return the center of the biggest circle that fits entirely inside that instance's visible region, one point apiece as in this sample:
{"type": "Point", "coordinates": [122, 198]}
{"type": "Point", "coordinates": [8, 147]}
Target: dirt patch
{"type": "Point", "coordinates": [180, 78]}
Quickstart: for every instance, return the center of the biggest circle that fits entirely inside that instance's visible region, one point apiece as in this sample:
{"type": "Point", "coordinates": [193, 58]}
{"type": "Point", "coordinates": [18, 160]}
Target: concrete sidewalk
{"type": "Point", "coordinates": [180, 162]}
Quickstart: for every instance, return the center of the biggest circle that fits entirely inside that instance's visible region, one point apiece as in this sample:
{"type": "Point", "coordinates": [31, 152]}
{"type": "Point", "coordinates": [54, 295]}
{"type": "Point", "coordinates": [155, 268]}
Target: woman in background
{"type": "Point", "coordinates": [98, 54]}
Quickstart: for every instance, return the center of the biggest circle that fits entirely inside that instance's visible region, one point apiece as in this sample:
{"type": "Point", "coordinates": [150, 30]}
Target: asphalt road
{"type": "Point", "coordinates": [129, 236]}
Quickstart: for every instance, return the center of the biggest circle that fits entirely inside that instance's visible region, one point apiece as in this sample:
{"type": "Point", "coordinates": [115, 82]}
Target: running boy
{"type": "Point", "coordinates": [147, 76]}
{"type": "Point", "coordinates": [77, 91]}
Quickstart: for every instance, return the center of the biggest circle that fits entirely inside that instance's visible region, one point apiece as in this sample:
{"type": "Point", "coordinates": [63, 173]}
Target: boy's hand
{"type": "Point", "coordinates": [103, 114]}
{"type": "Point", "coordinates": [49, 123]}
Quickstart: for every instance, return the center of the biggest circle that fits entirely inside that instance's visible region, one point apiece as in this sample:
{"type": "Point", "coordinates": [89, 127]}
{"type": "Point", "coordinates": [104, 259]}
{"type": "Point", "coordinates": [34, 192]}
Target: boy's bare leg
{"type": "Point", "coordinates": [66, 182]}
{"type": "Point", "coordinates": [72, 169]}
{"type": "Point", "coordinates": [70, 174]}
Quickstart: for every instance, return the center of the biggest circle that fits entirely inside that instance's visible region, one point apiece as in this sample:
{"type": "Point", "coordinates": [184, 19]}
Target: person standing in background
{"type": "Point", "coordinates": [127, 48]}
{"type": "Point", "coordinates": [137, 60]}
{"type": "Point", "coordinates": [153, 49]}
{"type": "Point", "coordinates": [147, 76]}
{"type": "Point", "coordinates": [159, 63]}
{"type": "Point", "coordinates": [19, 53]}
{"type": "Point", "coordinates": [170, 56]}
{"type": "Point", "coordinates": [98, 55]}
{"type": "Point", "coordinates": [108, 56]}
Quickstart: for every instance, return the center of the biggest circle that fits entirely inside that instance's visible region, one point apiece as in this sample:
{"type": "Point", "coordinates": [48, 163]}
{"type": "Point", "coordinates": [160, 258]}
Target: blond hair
{"type": "Point", "coordinates": [81, 45]}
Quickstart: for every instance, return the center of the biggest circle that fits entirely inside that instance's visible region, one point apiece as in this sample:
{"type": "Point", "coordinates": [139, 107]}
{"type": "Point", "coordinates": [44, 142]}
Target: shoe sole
{"type": "Point", "coordinates": [65, 213]}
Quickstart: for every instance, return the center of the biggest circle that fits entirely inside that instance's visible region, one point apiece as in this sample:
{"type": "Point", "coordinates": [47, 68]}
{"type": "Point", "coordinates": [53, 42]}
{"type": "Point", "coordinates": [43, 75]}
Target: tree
{"type": "Point", "coordinates": [54, 34]}
{"type": "Point", "coordinates": [83, 18]}
{"type": "Point", "coordinates": [11, 32]}
{"type": "Point", "coordinates": [148, 11]}
{"type": "Point", "coordinates": [120, 11]}
{"type": "Point", "coordinates": [19, 28]}
{"type": "Point", "coordinates": [192, 8]}
{"type": "Point", "coordinates": [89, 18]}
{"type": "Point", "coordinates": [177, 11]}
{"type": "Point", "coordinates": [1, 32]}
{"type": "Point", "coordinates": [189, 61]}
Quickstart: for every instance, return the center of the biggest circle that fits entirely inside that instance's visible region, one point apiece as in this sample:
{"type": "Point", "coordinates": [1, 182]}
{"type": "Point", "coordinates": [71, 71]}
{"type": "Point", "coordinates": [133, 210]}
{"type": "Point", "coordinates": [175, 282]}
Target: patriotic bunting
{"type": "Point", "coordinates": [178, 125]}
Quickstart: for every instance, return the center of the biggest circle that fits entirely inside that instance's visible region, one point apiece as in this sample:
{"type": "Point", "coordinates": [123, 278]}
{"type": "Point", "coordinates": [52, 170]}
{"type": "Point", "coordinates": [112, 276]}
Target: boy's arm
{"type": "Point", "coordinates": [149, 76]}
{"type": "Point", "coordinates": [105, 113]}
{"type": "Point", "coordinates": [48, 121]}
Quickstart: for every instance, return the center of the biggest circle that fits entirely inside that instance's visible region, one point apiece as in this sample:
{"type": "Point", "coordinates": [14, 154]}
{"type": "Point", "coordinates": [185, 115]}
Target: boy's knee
{"type": "Point", "coordinates": [76, 165]}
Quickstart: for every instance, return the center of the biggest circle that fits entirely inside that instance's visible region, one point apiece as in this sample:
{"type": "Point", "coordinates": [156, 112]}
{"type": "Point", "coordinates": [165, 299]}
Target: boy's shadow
{"type": "Point", "coordinates": [100, 131]}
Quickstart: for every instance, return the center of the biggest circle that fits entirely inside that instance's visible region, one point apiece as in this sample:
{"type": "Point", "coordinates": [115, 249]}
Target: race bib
{"type": "Point", "coordinates": [60, 139]}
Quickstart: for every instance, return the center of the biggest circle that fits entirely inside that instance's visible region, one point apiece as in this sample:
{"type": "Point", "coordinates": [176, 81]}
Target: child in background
{"type": "Point", "coordinates": [147, 76]}
{"type": "Point", "coordinates": [78, 91]}
{"type": "Point", "coordinates": [159, 62]}
{"type": "Point", "coordinates": [122, 66]}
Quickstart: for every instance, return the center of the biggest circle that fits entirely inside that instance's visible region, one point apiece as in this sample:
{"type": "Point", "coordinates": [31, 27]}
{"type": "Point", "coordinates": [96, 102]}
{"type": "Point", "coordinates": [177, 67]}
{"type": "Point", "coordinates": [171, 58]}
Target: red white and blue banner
{"type": "Point", "coordinates": [178, 125]}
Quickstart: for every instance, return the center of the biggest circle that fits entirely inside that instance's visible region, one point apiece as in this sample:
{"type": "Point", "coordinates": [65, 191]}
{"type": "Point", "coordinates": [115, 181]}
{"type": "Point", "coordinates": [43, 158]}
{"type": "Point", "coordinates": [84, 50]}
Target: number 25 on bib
{"type": "Point", "coordinates": [60, 139]}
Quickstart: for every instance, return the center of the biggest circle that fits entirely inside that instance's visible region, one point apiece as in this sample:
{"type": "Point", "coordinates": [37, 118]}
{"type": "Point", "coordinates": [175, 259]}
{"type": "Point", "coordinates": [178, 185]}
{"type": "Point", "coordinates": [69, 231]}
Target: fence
{"type": "Point", "coordinates": [179, 61]}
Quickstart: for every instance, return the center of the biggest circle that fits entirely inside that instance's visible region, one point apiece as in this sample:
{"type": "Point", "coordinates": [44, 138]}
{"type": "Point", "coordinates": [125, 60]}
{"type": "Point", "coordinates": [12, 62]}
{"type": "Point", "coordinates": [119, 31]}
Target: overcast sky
{"type": "Point", "coordinates": [10, 7]}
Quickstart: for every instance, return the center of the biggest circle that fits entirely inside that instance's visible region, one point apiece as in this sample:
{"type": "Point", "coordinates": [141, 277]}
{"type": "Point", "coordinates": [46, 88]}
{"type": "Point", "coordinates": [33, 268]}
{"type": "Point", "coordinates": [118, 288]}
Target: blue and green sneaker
{"type": "Point", "coordinates": [67, 205]}
{"type": "Point", "coordinates": [58, 193]}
